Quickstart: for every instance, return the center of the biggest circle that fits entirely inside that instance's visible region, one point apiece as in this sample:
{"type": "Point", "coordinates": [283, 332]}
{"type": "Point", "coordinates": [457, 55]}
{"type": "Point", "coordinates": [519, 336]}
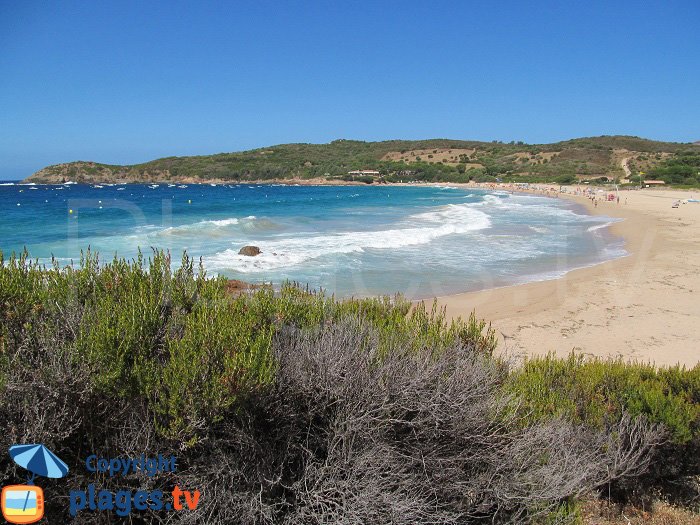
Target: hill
{"type": "Point", "coordinates": [435, 159]}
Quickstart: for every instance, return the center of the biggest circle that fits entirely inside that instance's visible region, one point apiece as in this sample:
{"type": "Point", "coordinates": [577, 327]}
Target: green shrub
{"type": "Point", "coordinates": [594, 391]}
{"type": "Point", "coordinates": [566, 179]}
{"type": "Point", "coordinates": [130, 355]}
{"type": "Point", "coordinates": [178, 341]}
{"type": "Point", "coordinates": [568, 512]}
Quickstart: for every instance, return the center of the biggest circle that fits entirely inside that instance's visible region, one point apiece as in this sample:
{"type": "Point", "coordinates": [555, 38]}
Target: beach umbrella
{"type": "Point", "coordinates": [39, 460]}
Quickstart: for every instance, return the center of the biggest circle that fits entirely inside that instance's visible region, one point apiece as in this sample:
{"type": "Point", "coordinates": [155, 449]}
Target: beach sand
{"type": "Point", "coordinates": [643, 307]}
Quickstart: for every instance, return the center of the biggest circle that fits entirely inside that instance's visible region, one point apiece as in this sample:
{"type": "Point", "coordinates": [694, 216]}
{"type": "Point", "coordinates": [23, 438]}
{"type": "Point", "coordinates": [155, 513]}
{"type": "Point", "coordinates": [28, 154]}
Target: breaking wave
{"type": "Point", "coordinates": [418, 229]}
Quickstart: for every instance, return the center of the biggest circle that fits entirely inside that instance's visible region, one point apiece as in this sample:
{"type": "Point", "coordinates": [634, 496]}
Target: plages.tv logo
{"type": "Point", "coordinates": [25, 503]}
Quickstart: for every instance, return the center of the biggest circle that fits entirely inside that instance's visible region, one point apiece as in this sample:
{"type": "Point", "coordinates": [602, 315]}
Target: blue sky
{"type": "Point", "coordinates": [125, 82]}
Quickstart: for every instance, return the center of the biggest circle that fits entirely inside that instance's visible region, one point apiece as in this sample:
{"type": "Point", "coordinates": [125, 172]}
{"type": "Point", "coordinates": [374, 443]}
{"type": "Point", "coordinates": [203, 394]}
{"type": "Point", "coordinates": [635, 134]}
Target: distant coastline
{"type": "Point", "coordinates": [604, 158]}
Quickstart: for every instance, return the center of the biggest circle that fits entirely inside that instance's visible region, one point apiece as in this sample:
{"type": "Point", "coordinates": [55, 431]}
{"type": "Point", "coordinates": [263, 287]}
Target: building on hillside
{"type": "Point", "coordinates": [648, 183]}
{"type": "Point", "coordinates": [371, 173]}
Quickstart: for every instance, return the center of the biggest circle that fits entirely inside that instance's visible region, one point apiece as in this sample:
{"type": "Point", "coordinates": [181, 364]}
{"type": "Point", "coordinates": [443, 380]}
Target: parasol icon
{"type": "Point", "coordinates": [38, 460]}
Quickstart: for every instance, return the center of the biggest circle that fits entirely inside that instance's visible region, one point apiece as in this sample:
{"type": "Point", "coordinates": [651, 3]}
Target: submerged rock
{"type": "Point", "coordinates": [250, 251]}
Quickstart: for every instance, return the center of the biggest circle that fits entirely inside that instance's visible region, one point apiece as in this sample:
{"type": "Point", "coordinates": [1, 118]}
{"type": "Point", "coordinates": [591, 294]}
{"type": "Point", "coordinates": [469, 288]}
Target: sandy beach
{"type": "Point", "coordinates": [643, 307]}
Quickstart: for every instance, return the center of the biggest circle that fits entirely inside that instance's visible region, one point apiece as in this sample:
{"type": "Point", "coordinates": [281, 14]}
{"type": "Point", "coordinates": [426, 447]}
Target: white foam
{"type": "Point", "coordinates": [464, 216]}
{"type": "Point", "coordinates": [600, 226]}
{"type": "Point", "coordinates": [223, 222]}
{"type": "Point", "coordinates": [7, 183]}
{"type": "Point", "coordinates": [424, 228]}
{"type": "Point", "coordinates": [197, 228]}
{"type": "Point", "coordinates": [534, 206]}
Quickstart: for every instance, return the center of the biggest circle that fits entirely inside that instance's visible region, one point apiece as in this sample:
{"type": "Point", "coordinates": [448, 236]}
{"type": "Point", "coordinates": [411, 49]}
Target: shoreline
{"type": "Point", "coordinates": [644, 306]}
{"type": "Point", "coordinates": [638, 307]}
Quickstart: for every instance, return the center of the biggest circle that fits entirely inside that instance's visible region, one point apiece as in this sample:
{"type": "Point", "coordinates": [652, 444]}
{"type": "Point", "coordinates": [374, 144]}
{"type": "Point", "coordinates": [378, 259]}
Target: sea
{"type": "Point", "coordinates": [421, 241]}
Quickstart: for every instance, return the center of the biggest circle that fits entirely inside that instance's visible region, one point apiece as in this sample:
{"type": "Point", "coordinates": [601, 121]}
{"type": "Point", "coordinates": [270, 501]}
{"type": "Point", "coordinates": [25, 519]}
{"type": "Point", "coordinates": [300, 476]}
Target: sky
{"type": "Point", "coordinates": [126, 82]}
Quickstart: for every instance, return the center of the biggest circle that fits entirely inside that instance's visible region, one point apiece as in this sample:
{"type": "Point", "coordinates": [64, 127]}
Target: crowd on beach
{"type": "Point", "coordinates": [595, 194]}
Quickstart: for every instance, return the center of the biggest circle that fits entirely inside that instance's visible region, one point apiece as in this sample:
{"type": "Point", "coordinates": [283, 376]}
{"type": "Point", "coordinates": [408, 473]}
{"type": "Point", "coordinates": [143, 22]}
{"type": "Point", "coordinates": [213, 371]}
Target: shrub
{"type": "Point", "coordinates": [349, 433]}
{"type": "Point", "coordinates": [566, 179]}
{"type": "Point", "coordinates": [176, 339]}
{"type": "Point", "coordinates": [595, 392]}
{"type": "Point", "coordinates": [292, 407]}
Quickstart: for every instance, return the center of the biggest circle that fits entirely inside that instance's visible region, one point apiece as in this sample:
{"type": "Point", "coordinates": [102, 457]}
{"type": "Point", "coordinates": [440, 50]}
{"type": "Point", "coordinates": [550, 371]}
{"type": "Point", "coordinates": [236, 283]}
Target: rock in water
{"type": "Point", "coordinates": [250, 251]}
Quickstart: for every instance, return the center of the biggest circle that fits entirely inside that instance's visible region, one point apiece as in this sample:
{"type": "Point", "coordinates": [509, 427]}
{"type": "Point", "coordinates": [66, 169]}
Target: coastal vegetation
{"type": "Point", "coordinates": [289, 406]}
{"type": "Point", "coordinates": [682, 168]}
{"type": "Point", "coordinates": [401, 160]}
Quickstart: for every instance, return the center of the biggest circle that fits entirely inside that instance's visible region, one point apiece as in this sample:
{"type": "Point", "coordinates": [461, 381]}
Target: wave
{"type": "Point", "coordinates": [534, 206]}
{"type": "Point", "coordinates": [7, 183]}
{"type": "Point", "coordinates": [420, 229]}
{"type": "Point", "coordinates": [417, 229]}
{"type": "Point", "coordinates": [212, 227]}
{"type": "Point", "coordinates": [600, 226]}
{"type": "Point", "coordinates": [464, 216]}
{"type": "Point", "coordinates": [223, 222]}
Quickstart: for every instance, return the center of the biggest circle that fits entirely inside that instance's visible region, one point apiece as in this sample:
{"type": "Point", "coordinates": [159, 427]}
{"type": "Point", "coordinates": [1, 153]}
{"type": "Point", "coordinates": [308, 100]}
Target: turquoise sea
{"type": "Point", "coordinates": [350, 240]}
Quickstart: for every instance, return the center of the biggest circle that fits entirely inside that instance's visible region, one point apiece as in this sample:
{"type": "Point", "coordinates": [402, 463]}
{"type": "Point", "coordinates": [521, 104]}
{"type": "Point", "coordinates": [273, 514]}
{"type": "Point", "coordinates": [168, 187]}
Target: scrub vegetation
{"type": "Point", "coordinates": [681, 169]}
{"type": "Point", "coordinates": [289, 406]}
{"type": "Point", "coordinates": [402, 160]}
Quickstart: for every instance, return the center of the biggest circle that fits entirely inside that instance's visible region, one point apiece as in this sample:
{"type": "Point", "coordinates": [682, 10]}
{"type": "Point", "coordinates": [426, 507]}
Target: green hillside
{"type": "Point", "coordinates": [429, 160]}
